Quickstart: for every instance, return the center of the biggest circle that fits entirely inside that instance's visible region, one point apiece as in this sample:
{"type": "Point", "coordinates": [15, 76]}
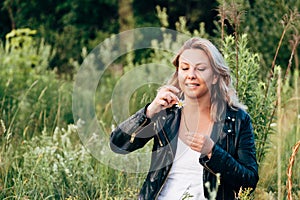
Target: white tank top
{"type": "Point", "coordinates": [186, 176]}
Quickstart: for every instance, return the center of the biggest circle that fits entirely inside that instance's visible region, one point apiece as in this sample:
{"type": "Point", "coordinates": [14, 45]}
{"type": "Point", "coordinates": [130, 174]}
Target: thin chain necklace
{"type": "Point", "coordinates": [184, 120]}
{"type": "Point", "coordinates": [185, 123]}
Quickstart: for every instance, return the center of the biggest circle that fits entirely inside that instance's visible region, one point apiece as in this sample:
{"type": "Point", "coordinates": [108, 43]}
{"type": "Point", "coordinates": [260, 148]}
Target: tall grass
{"type": "Point", "coordinates": [290, 170]}
{"type": "Point", "coordinates": [56, 166]}
{"type": "Point", "coordinates": [41, 156]}
{"type": "Point", "coordinates": [274, 168]}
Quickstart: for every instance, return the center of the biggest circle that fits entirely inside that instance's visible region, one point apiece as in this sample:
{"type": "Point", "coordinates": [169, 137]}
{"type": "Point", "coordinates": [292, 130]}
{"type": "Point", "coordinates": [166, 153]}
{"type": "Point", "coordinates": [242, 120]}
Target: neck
{"type": "Point", "coordinates": [197, 104]}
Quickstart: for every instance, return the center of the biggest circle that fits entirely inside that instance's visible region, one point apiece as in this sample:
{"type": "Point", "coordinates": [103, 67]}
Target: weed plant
{"type": "Point", "coordinates": [41, 160]}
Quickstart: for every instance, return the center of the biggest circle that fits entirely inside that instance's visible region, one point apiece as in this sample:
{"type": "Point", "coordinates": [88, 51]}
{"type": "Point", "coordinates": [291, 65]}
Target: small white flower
{"type": "Point", "coordinates": [273, 124]}
{"type": "Point", "coordinates": [113, 127]}
{"type": "Point", "coordinates": [55, 167]}
{"type": "Point", "coordinates": [180, 103]}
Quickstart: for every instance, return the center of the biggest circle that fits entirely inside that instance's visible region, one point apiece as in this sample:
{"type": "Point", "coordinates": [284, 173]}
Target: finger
{"type": "Point", "coordinates": [174, 89]}
{"type": "Point", "coordinates": [174, 97]}
{"type": "Point", "coordinates": [167, 99]}
{"type": "Point", "coordinates": [190, 138]}
{"type": "Point", "coordinates": [196, 149]}
{"type": "Point", "coordinates": [195, 146]}
{"type": "Point", "coordinates": [162, 102]}
{"type": "Point", "coordinates": [171, 98]}
{"type": "Point", "coordinates": [165, 95]}
{"type": "Point", "coordinates": [191, 135]}
{"type": "Point", "coordinates": [196, 140]}
{"type": "Point", "coordinates": [171, 88]}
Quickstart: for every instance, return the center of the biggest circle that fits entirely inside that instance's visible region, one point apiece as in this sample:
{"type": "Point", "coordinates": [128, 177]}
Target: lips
{"type": "Point", "coordinates": [192, 84]}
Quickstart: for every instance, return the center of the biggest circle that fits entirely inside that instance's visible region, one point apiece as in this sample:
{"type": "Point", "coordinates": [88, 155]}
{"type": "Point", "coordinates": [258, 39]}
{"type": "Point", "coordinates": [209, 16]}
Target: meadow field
{"type": "Point", "coordinates": [44, 156]}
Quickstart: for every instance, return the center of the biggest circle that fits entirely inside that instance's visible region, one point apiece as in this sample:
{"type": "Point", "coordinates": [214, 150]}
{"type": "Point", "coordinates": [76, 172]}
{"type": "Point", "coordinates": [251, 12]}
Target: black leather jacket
{"type": "Point", "coordinates": [233, 156]}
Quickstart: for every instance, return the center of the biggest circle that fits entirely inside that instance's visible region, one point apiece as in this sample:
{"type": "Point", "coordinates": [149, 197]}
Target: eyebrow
{"type": "Point", "coordinates": [196, 65]}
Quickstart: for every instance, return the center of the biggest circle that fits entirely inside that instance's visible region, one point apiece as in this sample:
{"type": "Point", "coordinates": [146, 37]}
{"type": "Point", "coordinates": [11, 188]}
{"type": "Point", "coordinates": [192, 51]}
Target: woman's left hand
{"type": "Point", "coordinates": [200, 142]}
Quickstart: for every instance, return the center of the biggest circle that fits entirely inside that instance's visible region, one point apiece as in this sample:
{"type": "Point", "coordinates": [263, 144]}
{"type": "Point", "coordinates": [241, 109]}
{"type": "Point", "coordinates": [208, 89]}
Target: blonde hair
{"type": "Point", "coordinates": [223, 92]}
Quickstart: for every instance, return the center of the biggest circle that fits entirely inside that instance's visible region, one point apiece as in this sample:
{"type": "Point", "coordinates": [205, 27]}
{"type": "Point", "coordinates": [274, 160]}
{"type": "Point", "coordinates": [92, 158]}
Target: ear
{"type": "Point", "coordinates": [215, 80]}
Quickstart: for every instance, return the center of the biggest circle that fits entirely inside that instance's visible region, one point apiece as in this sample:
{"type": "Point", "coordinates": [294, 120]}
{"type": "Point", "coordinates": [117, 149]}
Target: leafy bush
{"type": "Point", "coordinates": [56, 166]}
{"type": "Point", "coordinates": [252, 91]}
{"type": "Point", "coordinates": [31, 95]}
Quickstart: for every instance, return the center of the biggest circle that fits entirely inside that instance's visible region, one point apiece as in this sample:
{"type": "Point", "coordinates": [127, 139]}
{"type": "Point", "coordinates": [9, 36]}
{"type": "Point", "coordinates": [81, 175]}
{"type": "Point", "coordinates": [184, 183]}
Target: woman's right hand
{"type": "Point", "coordinates": [166, 97]}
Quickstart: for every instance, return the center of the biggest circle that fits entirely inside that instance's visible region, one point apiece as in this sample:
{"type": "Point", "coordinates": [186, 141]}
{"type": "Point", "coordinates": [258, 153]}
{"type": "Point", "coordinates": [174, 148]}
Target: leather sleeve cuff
{"type": "Point", "coordinates": [204, 159]}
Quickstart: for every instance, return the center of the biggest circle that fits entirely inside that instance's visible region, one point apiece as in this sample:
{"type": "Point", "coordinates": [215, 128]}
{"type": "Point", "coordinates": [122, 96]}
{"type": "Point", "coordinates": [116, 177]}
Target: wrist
{"type": "Point", "coordinates": [212, 144]}
{"type": "Point", "coordinates": [152, 110]}
{"type": "Point", "coordinates": [149, 111]}
{"type": "Point", "coordinates": [211, 151]}
{"type": "Point", "coordinates": [209, 155]}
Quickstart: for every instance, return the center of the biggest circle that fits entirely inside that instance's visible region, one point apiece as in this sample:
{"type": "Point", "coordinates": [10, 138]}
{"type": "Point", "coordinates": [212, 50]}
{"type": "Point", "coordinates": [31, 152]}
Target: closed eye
{"type": "Point", "coordinates": [184, 67]}
{"type": "Point", "coordinates": [201, 69]}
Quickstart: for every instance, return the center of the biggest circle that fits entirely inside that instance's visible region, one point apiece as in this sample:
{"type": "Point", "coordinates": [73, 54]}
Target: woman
{"type": "Point", "coordinates": [210, 135]}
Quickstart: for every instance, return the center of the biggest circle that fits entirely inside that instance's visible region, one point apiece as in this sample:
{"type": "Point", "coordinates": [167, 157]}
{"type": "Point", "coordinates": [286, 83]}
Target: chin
{"type": "Point", "coordinates": [196, 95]}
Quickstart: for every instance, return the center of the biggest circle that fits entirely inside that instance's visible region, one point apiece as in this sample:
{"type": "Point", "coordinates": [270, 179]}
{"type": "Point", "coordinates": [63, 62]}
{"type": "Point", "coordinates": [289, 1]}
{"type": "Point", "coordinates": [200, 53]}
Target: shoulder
{"type": "Point", "coordinates": [242, 119]}
{"type": "Point", "coordinates": [239, 113]}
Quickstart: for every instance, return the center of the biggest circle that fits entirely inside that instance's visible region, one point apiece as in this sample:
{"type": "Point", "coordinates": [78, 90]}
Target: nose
{"type": "Point", "coordinates": [191, 73]}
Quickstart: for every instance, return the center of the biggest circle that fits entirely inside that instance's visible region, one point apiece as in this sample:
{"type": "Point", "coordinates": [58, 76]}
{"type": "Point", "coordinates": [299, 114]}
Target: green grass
{"type": "Point", "coordinates": [42, 157]}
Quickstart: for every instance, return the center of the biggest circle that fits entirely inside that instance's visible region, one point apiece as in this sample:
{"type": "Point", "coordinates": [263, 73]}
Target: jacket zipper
{"type": "Point", "coordinates": [227, 149]}
{"type": "Point", "coordinates": [163, 184]}
{"type": "Point", "coordinates": [134, 134]}
{"type": "Point", "coordinates": [170, 167]}
{"type": "Point", "coordinates": [156, 132]}
{"type": "Point", "coordinates": [205, 165]}
{"type": "Point", "coordinates": [168, 142]}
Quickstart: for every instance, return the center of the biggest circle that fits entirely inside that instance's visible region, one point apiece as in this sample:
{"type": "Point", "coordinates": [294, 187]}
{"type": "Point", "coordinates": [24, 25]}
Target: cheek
{"type": "Point", "coordinates": [180, 76]}
{"type": "Point", "coordinates": [181, 79]}
{"type": "Point", "coordinates": [207, 78]}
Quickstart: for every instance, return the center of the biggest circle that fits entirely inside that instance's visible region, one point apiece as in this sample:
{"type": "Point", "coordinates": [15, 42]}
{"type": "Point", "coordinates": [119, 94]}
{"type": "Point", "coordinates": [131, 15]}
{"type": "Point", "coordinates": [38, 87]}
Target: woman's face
{"type": "Point", "coordinates": [195, 75]}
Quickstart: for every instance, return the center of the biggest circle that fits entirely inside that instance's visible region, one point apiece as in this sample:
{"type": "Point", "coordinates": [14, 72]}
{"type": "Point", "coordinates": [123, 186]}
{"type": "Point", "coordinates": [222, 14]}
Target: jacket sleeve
{"type": "Point", "coordinates": [240, 170]}
{"type": "Point", "coordinates": [131, 134]}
